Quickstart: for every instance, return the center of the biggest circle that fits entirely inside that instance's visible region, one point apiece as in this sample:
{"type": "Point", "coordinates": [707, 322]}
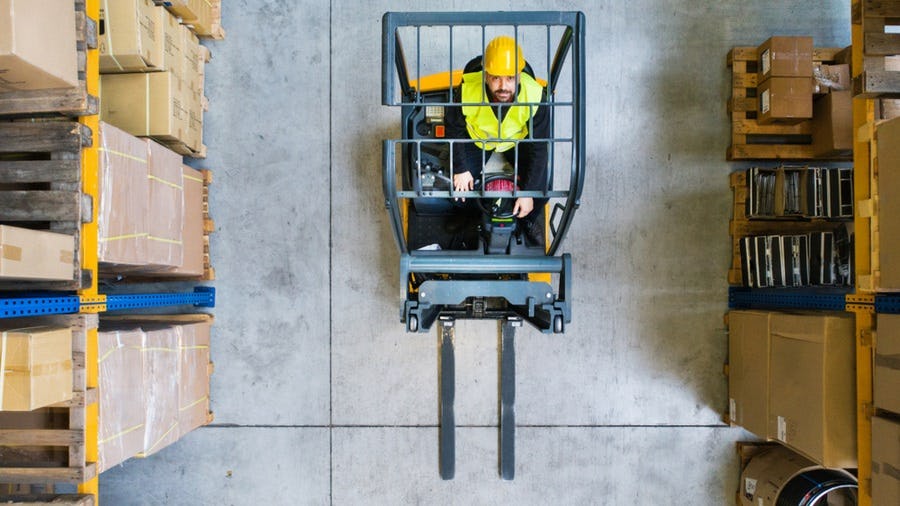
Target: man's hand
{"type": "Point", "coordinates": [524, 205]}
{"type": "Point", "coordinates": [463, 182]}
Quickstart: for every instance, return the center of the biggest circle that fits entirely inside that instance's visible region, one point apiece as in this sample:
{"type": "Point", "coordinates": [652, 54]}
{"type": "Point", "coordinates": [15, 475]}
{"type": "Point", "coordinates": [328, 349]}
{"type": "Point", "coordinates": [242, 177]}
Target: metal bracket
{"type": "Point", "coordinates": [447, 392]}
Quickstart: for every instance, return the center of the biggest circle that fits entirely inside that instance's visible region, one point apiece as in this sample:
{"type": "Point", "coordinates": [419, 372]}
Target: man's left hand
{"type": "Point", "coordinates": [524, 205]}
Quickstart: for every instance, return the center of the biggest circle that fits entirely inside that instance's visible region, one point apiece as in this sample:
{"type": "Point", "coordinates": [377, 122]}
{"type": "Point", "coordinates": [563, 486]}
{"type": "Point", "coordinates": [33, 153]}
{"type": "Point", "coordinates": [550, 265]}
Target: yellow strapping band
{"type": "Point", "coordinates": [158, 441]}
{"type": "Point", "coordinates": [163, 181]}
{"type": "Point", "coordinates": [192, 178]}
{"type": "Point", "coordinates": [117, 436]}
{"type": "Point", "coordinates": [159, 349]}
{"type": "Point", "coordinates": [121, 237]}
{"type": "Point", "coordinates": [123, 155]}
{"type": "Point", "coordinates": [191, 405]}
{"type": "Point", "coordinates": [162, 239]}
{"type": "Point", "coordinates": [196, 347]}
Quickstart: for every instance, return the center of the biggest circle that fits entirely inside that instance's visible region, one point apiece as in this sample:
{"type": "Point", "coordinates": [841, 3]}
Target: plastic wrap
{"type": "Point", "coordinates": [124, 198]}
{"type": "Point", "coordinates": [192, 225]}
{"type": "Point", "coordinates": [35, 367]}
{"type": "Point", "coordinates": [164, 242]}
{"type": "Point", "coordinates": [161, 370]}
{"type": "Point", "coordinates": [121, 430]}
{"type": "Point", "coordinates": [193, 397]}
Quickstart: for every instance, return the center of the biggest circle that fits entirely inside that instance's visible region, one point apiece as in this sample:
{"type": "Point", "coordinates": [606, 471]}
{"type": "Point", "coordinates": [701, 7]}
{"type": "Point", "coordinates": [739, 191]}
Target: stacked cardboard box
{"type": "Point", "coordinates": [205, 16]}
{"type": "Point", "coordinates": [35, 254]}
{"type": "Point", "coordinates": [885, 460]}
{"type": "Point", "coordinates": [35, 367]}
{"type": "Point", "coordinates": [792, 379]}
{"type": "Point", "coordinates": [152, 82]}
{"type": "Point", "coordinates": [154, 384]}
{"type": "Point", "coordinates": [785, 86]}
{"type": "Point", "coordinates": [141, 218]}
{"type": "Point", "coordinates": [37, 45]}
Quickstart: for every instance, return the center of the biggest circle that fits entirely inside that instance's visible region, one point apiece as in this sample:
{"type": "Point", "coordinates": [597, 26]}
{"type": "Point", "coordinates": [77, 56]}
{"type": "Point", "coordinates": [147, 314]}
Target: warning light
{"type": "Point", "coordinates": [438, 130]}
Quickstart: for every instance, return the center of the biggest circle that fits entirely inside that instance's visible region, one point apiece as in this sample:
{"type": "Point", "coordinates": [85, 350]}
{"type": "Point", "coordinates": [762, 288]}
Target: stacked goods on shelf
{"type": "Point", "coordinates": [37, 45]}
{"type": "Point", "coordinates": [792, 380]}
{"type": "Point", "coordinates": [790, 101]}
{"type": "Point", "coordinates": [41, 189]}
{"type": "Point", "coordinates": [35, 367]}
{"type": "Point", "coordinates": [790, 227]}
{"type": "Point", "coordinates": [204, 16]}
{"type": "Point", "coordinates": [152, 213]}
{"type": "Point", "coordinates": [154, 383]}
{"type": "Point", "coordinates": [882, 207]}
{"type": "Point", "coordinates": [886, 397]}
{"type": "Point", "coordinates": [48, 445]}
{"type": "Point", "coordinates": [152, 82]}
{"type": "Point", "coordinates": [29, 255]}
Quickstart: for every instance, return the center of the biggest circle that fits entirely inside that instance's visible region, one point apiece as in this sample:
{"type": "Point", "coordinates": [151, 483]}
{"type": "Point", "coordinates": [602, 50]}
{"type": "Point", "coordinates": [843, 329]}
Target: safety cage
{"type": "Point", "coordinates": [462, 255]}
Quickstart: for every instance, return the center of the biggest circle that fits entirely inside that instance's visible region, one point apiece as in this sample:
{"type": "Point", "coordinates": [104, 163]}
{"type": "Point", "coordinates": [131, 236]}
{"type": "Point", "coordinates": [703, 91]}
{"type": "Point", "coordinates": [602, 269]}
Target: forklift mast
{"type": "Point", "coordinates": [450, 263]}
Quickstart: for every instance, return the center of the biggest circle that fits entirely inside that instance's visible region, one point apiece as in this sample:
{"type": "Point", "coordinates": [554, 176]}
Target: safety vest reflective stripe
{"type": "Point", "coordinates": [481, 121]}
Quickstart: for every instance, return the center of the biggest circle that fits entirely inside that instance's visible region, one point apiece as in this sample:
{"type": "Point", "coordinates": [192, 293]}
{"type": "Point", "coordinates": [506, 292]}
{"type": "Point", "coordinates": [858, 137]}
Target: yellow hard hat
{"type": "Point", "coordinates": [502, 57]}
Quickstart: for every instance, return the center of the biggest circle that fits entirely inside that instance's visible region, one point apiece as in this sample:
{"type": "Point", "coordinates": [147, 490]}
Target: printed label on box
{"type": "Point", "coordinates": [749, 487]}
{"type": "Point", "coordinates": [766, 61]}
{"type": "Point", "coordinates": [764, 102]}
{"type": "Point", "coordinates": [732, 410]}
{"type": "Point", "coordinates": [782, 429]}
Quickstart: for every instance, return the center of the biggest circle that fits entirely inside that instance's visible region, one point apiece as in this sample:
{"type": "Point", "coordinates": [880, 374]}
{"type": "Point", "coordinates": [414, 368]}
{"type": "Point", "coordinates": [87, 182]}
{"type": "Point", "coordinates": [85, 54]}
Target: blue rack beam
{"type": "Point", "coordinates": [746, 298]}
{"type": "Point", "coordinates": [889, 304]}
{"type": "Point", "coordinates": [38, 306]}
{"type": "Point", "coordinates": [202, 296]}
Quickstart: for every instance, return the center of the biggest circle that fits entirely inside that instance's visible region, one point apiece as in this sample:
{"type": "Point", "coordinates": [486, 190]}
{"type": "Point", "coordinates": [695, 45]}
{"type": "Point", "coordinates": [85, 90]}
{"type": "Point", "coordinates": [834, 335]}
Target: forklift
{"type": "Point", "coordinates": [463, 255]}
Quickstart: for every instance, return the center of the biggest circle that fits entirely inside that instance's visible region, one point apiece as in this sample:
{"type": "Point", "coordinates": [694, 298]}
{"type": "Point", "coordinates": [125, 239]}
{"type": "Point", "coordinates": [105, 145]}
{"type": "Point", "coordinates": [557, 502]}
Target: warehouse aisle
{"type": "Point", "coordinates": [321, 397]}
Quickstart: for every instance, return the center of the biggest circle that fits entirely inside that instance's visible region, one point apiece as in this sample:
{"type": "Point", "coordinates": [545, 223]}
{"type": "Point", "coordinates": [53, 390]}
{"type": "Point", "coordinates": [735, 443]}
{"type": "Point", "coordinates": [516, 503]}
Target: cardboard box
{"type": "Point", "coordinates": [830, 78]}
{"type": "Point", "coordinates": [161, 371]}
{"type": "Point", "coordinates": [36, 254]}
{"type": "Point", "coordinates": [887, 277]}
{"type": "Point", "coordinates": [885, 461]}
{"type": "Point", "coordinates": [887, 363]}
{"type": "Point", "coordinates": [124, 198]}
{"type": "Point", "coordinates": [193, 403]}
{"type": "Point", "coordinates": [35, 367]}
{"type": "Point", "coordinates": [146, 105]}
{"type": "Point", "coordinates": [192, 231]}
{"type": "Point", "coordinates": [748, 370]}
{"type": "Point", "coordinates": [122, 416]}
{"type": "Point", "coordinates": [37, 45]}
{"type": "Point", "coordinates": [785, 57]}
{"type": "Point", "coordinates": [203, 15]}
{"type": "Point", "coordinates": [131, 36]}
{"type": "Point", "coordinates": [164, 242]}
{"type": "Point", "coordinates": [812, 386]}
{"type": "Point", "coordinates": [832, 124]}
{"type": "Point", "coordinates": [173, 33]}
{"type": "Point", "coordinates": [785, 100]}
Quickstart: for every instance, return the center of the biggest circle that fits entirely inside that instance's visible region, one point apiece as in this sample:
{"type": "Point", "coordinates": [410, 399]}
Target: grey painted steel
{"type": "Point", "coordinates": [508, 397]}
{"type": "Point", "coordinates": [518, 292]}
{"type": "Point", "coordinates": [447, 365]}
{"type": "Point", "coordinates": [453, 264]}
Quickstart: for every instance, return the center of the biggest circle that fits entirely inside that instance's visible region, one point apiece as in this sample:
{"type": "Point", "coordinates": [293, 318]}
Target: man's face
{"type": "Point", "coordinates": [502, 88]}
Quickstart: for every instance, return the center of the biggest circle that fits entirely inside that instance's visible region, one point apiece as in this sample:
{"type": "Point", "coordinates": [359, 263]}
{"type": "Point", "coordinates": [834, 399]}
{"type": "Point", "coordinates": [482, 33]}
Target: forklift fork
{"type": "Point", "coordinates": [447, 392]}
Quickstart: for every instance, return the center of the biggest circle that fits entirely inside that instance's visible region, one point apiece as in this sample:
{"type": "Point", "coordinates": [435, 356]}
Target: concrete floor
{"type": "Point", "coordinates": [322, 398]}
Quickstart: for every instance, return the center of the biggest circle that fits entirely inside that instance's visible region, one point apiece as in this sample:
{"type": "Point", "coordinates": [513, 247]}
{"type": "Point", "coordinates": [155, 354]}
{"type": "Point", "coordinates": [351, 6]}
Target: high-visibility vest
{"type": "Point", "coordinates": [481, 121]}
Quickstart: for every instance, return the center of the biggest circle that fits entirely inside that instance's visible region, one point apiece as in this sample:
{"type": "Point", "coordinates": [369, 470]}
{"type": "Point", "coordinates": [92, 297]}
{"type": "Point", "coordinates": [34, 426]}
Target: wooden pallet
{"type": "Point", "coordinates": [63, 101]}
{"type": "Point", "coordinates": [749, 139]}
{"type": "Point", "coordinates": [47, 445]}
{"type": "Point", "coordinates": [880, 74]}
{"type": "Point", "coordinates": [41, 187]}
{"type": "Point", "coordinates": [740, 226]}
{"type": "Point", "coordinates": [32, 499]}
